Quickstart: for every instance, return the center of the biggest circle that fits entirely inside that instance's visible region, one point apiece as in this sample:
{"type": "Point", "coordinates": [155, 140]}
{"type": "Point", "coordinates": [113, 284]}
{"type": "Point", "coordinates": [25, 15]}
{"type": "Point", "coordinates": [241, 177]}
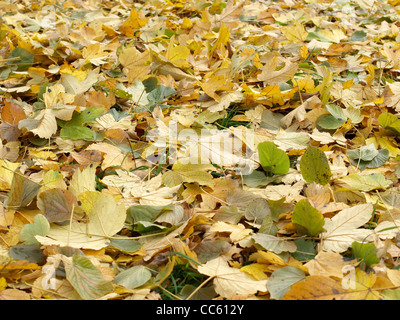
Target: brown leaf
{"type": "Point", "coordinates": [86, 157]}
{"type": "Point", "coordinates": [12, 113]}
{"type": "Point", "coordinates": [14, 294]}
{"type": "Point", "coordinates": [57, 204]}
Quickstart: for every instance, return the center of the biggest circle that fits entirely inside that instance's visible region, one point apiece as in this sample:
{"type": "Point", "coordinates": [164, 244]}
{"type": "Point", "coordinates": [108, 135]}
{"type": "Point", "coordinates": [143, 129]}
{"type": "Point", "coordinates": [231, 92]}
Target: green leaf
{"type": "Point", "coordinates": [257, 179]}
{"type": "Point", "coordinates": [188, 173]}
{"type": "Point", "coordinates": [307, 219]}
{"type": "Point", "coordinates": [282, 279]}
{"type": "Point", "coordinates": [329, 122]}
{"type": "Point", "coordinates": [76, 133]}
{"type": "Point", "coordinates": [268, 226]}
{"type": "Point", "coordinates": [80, 118]}
{"type": "Point", "coordinates": [365, 153]}
{"type": "Point", "coordinates": [258, 210]}
{"type": "Point", "coordinates": [389, 121]}
{"type": "Point", "coordinates": [379, 160]}
{"type": "Point", "coordinates": [366, 252]}
{"type": "Point", "coordinates": [368, 157]}
{"type": "Point", "coordinates": [87, 279]}
{"type": "Point", "coordinates": [125, 245]}
{"type": "Point", "coordinates": [30, 252]}
{"type": "Point", "coordinates": [365, 182]}
{"type": "Point", "coordinates": [359, 35]}
{"type": "Point", "coordinates": [272, 158]}
{"type": "Point", "coordinates": [23, 59]}
{"type": "Point", "coordinates": [314, 166]}
{"type": "Point", "coordinates": [133, 277]}
{"type": "Point", "coordinates": [143, 213]}
{"type": "Point", "coordinates": [22, 192]}
{"type": "Point", "coordinates": [160, 93]}
{"type": "Point", "coordinates": [305, 250]}
{"type": "Point", "coordinates": [40, 227]}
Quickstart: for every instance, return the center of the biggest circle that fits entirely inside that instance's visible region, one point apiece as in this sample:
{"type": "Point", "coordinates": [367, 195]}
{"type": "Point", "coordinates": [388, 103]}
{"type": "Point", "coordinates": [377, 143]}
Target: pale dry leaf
{"type": "Point", "coordinates": [344, 228]}
{"type": "Point", "coordinates": [230, 281]}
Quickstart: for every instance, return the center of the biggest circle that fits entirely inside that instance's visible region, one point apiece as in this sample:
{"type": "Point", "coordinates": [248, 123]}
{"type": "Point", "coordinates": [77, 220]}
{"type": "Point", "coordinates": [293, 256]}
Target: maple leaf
{"type": "Point", "coordinates": [271, 76]}
{"type": "Point", "coordinates": [344, 228]}
{"type": "Point", "coordinates": [230, 281]}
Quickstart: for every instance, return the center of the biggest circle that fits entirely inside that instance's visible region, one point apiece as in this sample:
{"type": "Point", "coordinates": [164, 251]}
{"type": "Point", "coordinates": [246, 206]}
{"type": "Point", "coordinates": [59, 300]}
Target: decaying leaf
{"type": "Point", "coordinates": [230, 281]}
{"type": "Point", "coordinates": [199, 150]}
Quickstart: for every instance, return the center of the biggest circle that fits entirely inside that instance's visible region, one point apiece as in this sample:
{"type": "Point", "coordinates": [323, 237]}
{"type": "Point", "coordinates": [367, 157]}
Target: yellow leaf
{"type": "Point", "coordinates": [256, 270]}
{"type": "Point", "coordinates": [267, 257]}
{"type": "Point", "coordinates": [135, 21]}
{"type": "Point", "coordinates": [303, 52]}
{"type": "Point", "coordinates": [223, 38]}
{"type": "Point", "coordinates": [272, 75]}
{"type": "Point", "coordinates": [296, 33]}
{"type": "Point", "coordinates": [217, 83]}
{"type": "Point", "coordinates": [316, 288]}
{"type": "Point", "coordinates": [363, 288]}
{"type": "Point", "coordinates": [237, 232]}
{"type": "Point", "coordinates": [177, 54]}
{"type": "Point", "coordinates": [134, 63]}
{"type": "Point", "coordinates": [95, 53]}
{"type": "Point", "coordinates": [3, 283]}
{"type": "Point", "coordinates": [7, 169]}
{"type": "Point", "coordinates": [186, 23]}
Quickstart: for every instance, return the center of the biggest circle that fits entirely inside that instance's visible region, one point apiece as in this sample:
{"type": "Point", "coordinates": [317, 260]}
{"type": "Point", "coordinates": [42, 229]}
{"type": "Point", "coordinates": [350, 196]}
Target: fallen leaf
{"type": "Point", "coordinates": [230, 281]}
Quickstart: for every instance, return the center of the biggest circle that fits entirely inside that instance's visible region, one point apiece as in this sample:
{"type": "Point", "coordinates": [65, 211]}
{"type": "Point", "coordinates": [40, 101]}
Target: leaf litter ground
{"type": "Point", "coordinates": [199, 150]}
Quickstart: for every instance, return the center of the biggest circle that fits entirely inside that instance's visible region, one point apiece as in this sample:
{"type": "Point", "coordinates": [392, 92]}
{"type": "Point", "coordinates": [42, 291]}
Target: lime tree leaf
{"type": "Point", "coordinates": [125, 245]}
{"type": "Point", "coordinates": [188, 173]}
{"type": "Point", "coordinates": [56, 204]}
{"type": "Point", "coordinates": [305, 250]}
{"type": "Point", "coordinates": [314, 166]}
{"type": "Point", "coordinates": [85, 278]}
{"type": "Point", "coordinates": [282, 279]}
{"type": "Point", "coordinates": [39, 227]}
{"type": "Point", "coordinates": [133, 277]}
{"type": "Point", "coordinates": [359, 35]}
{"type": "Point", "coordinates": [22, 191]}
{"type": "Point", "coordinates": [329, 122]}
{"type": "Point", "coordinates": [104, 219]}
{"type": "Point", "coordinates": [307, 219]}
{"type": "Point", "coordinates": [389, 121]}
{"type": "Point", "coordinates": [257, 179]}
{"type": "Point", "coordinates": [80, 118]}
{"type": "Point", "coordinates": [73, 86]}
{"type": "Point", "coordinates": [258, 210]}
{"type": "Point", "coordinates": [20, 57]}
{"type": "Point", "coordinates": [366, 183]}
{"type": "Point", "coordinates": [366, 252]}
{"type": "Point", "coordinates": [274, 244]}
{"type": "Point", "coordinates": [368, 157]}
{"type": "Point", "coordinates": [366, 153]}
{"type": "Point", "coordinates": [143, 213]}
{"type": "Point", "coordinates": [272, 158]}
{"type": "Point", "coordinates": [379, 160]}
{"type": "Point", "coordinates": [76, 133]}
